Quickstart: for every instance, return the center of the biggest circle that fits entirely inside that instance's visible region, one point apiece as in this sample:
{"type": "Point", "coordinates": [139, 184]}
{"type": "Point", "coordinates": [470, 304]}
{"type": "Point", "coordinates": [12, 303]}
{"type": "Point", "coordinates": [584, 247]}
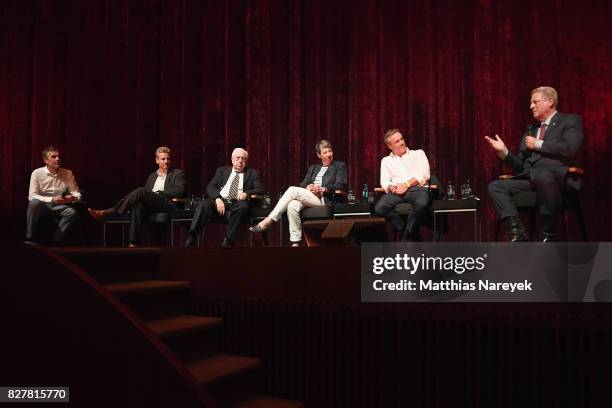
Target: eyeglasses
{"type": "Point", "coordinates": [536, 101]}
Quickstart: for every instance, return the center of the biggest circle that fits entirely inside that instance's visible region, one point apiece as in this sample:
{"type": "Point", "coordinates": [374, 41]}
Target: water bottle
{"type": "Point", "coordinates": [450, 191]}
{"type": "Point", "coordinates": [351, 196]}
{"type": "Point", "coordinates": [364, 193]}
{"type": "Point", "coordinates": [466, 190]}
{"type": "Point", "coordinates": [189, 204]}
{"type": "Point", "coordinates": [267, 200]}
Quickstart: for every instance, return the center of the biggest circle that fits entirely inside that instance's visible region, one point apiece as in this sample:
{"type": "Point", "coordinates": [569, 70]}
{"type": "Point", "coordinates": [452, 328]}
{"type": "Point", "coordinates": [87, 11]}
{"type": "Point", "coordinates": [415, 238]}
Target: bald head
{"type": "Point", "coordinates": [239, 159]}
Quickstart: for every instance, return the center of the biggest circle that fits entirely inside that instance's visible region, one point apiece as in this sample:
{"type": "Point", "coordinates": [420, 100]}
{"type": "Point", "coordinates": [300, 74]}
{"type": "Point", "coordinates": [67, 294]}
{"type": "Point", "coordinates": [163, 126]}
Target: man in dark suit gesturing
{"type": "Point", "coordinates": [545, 154]}
{"type": "Point", "coordinates": [228, 193]}
{"type": "Point", "coordinates": [156, 196]}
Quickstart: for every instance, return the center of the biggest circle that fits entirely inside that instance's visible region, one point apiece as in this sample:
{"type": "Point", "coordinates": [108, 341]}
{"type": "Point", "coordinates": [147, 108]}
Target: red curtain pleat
{"type": "Point", "coordinates": [108, 81]}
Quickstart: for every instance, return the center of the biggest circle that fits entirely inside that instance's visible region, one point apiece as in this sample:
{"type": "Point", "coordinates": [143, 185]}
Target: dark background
{"type": "Point", "coordinates": [109, 81]}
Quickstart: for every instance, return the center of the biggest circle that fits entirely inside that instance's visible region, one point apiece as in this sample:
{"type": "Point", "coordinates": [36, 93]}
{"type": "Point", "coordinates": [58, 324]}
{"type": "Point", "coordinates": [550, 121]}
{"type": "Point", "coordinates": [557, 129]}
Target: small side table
{"type": "Point", "coordinates": [349, 230]}
{"type": "Point", "coordinates": [360, 209]}
{"type": "Point", "coordinates": [458, 206]}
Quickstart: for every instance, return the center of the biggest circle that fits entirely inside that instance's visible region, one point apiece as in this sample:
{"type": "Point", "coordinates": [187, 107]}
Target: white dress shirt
{"type": "Point", "coordinates": [226, 188]}
{"type": "Point", "coordinates": [396, 170]}
{"type": "Point", "coordinates": [159, 182]}
{"type": "Point", "coordinates": [45, 185]}
{"type": "Point", "coordinates": [540, 141]}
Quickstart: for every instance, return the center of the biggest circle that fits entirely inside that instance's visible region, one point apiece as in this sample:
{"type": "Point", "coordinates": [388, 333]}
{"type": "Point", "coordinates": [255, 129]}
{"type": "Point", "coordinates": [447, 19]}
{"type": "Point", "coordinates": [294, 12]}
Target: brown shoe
{"type": "Point", "coordinates": [132, 245]}
{"type": "Point", "coordinates": [98, 215]}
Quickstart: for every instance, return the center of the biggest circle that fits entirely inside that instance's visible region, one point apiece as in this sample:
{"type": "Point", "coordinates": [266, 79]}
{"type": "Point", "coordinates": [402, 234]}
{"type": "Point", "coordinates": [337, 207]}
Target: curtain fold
{"type": "Point", "coordinates": [109, 81]}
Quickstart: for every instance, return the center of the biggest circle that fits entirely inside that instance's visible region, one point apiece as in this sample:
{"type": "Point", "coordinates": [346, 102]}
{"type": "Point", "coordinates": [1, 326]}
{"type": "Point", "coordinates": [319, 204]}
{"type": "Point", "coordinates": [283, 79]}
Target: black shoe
{"type": "Point", "coordinates": [257, 229]}
{"type": "Point", "coordinates": [548, 237]}
{"type": "Point", "coordinates": [516, 232]}
{"type": "Point", "coordinates": [190, 241]}
{"type": "Point", "coordinates": [549, 222]}
{"type": "Point", "coordinates": [411, 237]}
{"type": "Point", "coordinates": [227, 243]}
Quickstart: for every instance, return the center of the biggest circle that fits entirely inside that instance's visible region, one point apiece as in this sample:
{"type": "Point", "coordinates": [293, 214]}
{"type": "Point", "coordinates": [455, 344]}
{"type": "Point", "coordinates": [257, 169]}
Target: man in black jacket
{"type": "Point", "coordinates": [156, 196]}
{"type": "Point", "coordinates": [228, 193]}
{"type": "Point", "coordinates": [545, 154]}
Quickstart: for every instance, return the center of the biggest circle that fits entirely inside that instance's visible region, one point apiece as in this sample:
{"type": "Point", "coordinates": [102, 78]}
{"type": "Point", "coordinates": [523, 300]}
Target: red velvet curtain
{"type": "Point", "coordinates": [108, 81]}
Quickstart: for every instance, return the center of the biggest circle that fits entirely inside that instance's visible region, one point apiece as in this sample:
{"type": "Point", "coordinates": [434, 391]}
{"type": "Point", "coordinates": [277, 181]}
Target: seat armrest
{"type": "Point", "coordinates": [576, 171]}
{"type": "Point", "coordinates": [257, 201]}
{"type": "Point", "coordinates": [339, 196]}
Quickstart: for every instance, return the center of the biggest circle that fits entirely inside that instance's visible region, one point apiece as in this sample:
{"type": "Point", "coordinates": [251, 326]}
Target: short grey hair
{"type": "Point", "coordinates": [548, 92]}
{"type": "Point", "coordinates": [240, 150]}
{"type": "Point", "coordinates": [323, 144]}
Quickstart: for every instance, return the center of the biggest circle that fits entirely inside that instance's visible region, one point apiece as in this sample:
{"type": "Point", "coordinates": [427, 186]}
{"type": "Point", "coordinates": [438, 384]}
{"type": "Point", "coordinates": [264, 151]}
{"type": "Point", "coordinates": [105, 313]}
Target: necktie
{"type": "Point", "coordinates": [233, 191]}
{"type": "Point", "coordinates": [542, 131]}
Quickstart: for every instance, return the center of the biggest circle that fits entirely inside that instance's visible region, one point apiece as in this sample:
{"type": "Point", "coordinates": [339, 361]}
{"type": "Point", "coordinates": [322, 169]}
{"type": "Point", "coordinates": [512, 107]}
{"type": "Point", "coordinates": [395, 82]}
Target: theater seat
{"type": "Point", "coordinates": [527, 202]}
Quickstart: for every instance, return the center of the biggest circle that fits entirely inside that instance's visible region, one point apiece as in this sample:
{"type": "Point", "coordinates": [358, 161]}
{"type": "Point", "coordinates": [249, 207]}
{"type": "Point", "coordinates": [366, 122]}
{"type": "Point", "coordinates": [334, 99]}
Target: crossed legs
{"type": "Point", "coordinates": [293, 201]}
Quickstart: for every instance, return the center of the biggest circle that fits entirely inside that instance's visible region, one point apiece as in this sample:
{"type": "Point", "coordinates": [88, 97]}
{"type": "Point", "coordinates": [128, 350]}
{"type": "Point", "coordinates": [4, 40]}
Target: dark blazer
{"type": "Point", "coordinates": [333, 179]}
{"type": "Point", "coordinates": [250, 185]}
{"type": "Point", "coordinates": [175, 185]}
{"type": "Point", "coordinates": [562, 142]}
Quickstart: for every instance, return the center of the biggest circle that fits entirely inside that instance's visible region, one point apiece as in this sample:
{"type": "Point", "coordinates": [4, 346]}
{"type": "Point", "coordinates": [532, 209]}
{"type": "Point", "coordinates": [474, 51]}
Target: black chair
{"type": "Point", "coordinates": [258, 211]}
{"type": "Point", "coordinates": [47, 225]}
{"type": "Point", "coordinates": [324, 212]}
{"type": "Point", "coordinates": [404, 209]}
{"type": "Point", "coordinates": [167, 220]}
{"type": "Point", "coordinates": [527, 202]}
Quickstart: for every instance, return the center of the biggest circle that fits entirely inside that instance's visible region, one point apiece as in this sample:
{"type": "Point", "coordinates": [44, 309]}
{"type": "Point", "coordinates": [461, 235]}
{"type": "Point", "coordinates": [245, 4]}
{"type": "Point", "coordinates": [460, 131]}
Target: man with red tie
{"type": "Point", "coordinates": [546, 151]}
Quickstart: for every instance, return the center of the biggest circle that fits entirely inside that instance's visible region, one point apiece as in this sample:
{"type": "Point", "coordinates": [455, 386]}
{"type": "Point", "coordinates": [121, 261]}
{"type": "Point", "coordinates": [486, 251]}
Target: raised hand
{"type": "Point", "coordinates": [497, 144]}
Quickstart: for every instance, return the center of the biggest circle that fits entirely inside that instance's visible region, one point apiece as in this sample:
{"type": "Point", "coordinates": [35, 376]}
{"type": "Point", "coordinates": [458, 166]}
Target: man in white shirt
{"type": "Point", "coordinates": [404, 175]}
{"type": "Point", "coordinates": [52, 192]}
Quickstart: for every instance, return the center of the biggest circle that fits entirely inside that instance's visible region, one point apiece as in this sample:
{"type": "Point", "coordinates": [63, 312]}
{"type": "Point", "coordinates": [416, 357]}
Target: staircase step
{"type": "Point", "coordinates": [108, 265]}
{"type": "Point", "coordinates": [220, 367]}
{"type": "Point", "coordinates": [229, 379]}
{"type": "Point", "coordinates": [146, 287]}
{"type": "Point", "coordinates": [154, 299]}
{"type": "Point", "coordinates": [182, 325]}
{"type": "Point", "coordinates": [267, 402]}
{"type": "Point", "coordinates": [190, 337]}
